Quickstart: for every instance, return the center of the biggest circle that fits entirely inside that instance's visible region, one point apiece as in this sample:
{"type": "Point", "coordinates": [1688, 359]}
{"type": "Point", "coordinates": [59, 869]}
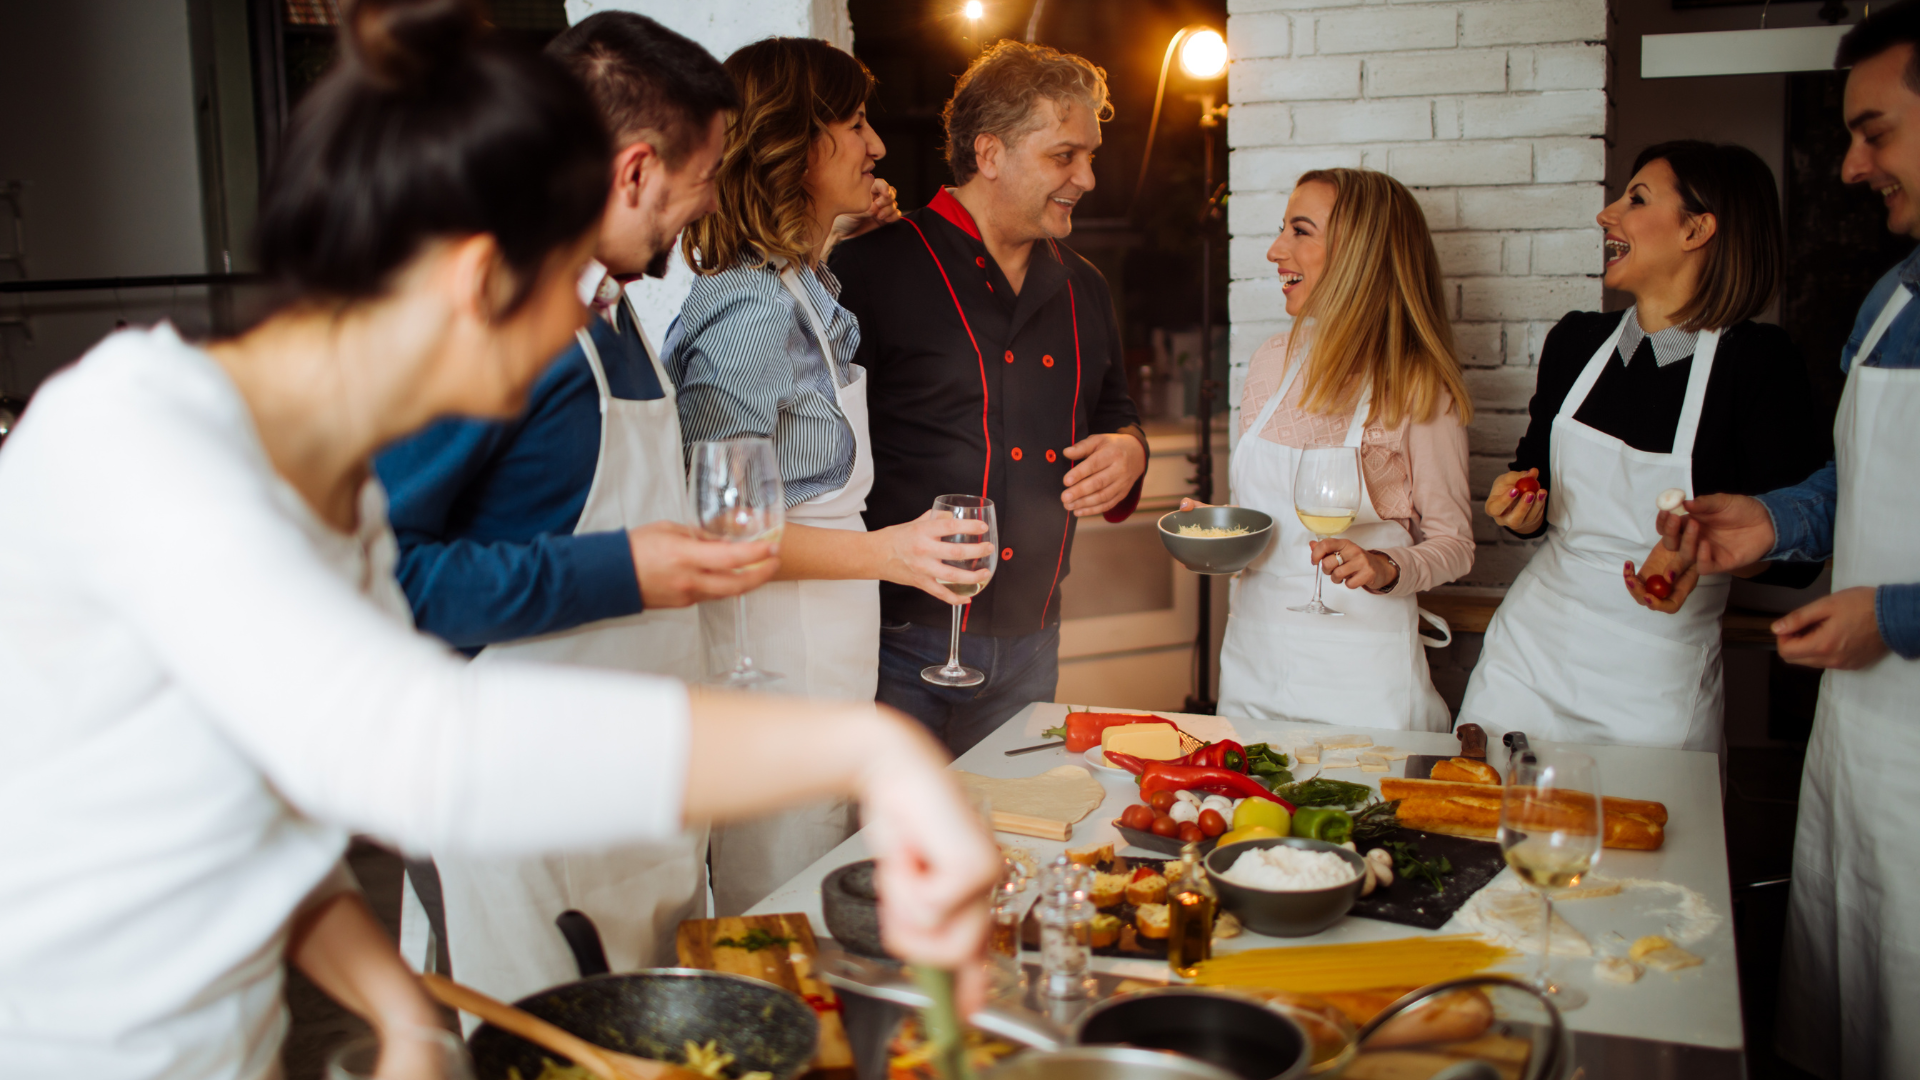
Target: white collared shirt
{"type": "Point", "coordinates": [1674, 343]}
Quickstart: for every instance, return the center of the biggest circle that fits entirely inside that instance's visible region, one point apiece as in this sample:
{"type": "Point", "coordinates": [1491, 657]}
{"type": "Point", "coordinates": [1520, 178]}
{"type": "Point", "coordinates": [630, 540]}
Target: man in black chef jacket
{"type": "Point", "coordinates": [994, 368]}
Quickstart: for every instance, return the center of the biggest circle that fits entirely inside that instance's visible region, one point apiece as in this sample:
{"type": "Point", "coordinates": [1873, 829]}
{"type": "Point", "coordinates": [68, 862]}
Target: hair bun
{"type": "Point", "coordinates": [400, 41]}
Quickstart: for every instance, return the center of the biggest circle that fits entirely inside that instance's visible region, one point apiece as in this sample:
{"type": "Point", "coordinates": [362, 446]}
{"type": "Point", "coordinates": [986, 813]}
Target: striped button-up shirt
{"type": "Point", "coordinates": [746, 362]}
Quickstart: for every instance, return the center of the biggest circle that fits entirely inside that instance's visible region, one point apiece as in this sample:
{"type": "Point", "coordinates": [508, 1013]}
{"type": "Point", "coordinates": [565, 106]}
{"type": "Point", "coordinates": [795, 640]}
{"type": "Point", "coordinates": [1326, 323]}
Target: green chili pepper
{"type": "Point", "coordinates": [1333, 825]}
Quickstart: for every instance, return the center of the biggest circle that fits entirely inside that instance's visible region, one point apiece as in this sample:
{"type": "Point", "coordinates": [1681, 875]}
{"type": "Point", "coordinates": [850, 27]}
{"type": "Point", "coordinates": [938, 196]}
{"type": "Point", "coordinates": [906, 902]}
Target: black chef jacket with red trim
{"type": "Point", "coordinates": [972, 389]}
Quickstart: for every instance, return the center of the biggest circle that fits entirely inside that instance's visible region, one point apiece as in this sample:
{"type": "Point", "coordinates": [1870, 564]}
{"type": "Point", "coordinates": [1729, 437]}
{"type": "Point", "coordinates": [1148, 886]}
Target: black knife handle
{"type": "Point", "coordinates": [584, 939]}
{"type": "Point", "coordinates": [1517, 747]}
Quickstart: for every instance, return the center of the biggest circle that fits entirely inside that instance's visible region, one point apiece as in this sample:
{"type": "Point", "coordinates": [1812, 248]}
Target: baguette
{"type": "Point", "coordinates": [1474, 810]}
{"type": "Point", "coordinates": [1466, 771]}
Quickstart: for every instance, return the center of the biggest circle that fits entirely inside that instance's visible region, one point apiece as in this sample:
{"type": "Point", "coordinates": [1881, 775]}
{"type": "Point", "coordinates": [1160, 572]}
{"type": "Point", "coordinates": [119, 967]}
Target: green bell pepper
{"type": "Point", "coordinates": [1328, 823]}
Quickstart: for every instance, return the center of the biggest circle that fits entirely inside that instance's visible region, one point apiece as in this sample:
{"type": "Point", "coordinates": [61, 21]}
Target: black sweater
{"type": "Point", "coordinates": [1761, 426]}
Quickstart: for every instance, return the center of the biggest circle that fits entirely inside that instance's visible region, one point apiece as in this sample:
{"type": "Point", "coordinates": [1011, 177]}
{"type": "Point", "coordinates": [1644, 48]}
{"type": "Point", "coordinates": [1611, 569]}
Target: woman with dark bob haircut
{"type": "Point", "coordinates": [1605, 637]}
{"type": "Point", "coordinates": [212, 677]}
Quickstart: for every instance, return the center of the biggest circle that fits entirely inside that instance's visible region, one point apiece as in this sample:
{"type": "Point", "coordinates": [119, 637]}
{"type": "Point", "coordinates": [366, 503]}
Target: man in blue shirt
{"type": "Point", "coordinates": [563, 536]}
{"type": "Point", "coordinates": [1850, 978]}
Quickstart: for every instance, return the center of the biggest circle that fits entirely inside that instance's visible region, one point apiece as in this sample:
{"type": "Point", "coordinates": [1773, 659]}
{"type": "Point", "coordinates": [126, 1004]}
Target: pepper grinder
{"type": "Point", "coordinates": [1066, 922]}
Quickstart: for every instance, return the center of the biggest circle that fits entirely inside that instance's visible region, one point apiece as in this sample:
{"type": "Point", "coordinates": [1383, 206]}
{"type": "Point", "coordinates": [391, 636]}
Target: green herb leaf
{"type": "Point", "coordinates": [754, 940]}
{"type": "Point", "coordinates": [1320, 791]}
{"type": "Point", "coordinates": [1408, 863]}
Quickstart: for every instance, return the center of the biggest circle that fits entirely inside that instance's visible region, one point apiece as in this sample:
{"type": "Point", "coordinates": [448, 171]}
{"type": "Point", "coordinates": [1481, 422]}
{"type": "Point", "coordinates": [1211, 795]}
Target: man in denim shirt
{"type": "Point", "coordinates": [1850, 977]}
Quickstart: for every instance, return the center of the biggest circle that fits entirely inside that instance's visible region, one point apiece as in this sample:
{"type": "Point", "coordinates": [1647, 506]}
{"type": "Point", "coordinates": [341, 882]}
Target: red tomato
{"type": "Point", "coordinates": [1526, 485]}
{"type": "Point", "coordinates": [1137, 816]}
{"type": "Point", "coordinates": [1191, 833]}
{"type": "Point", "coordinates": [1161, 801]}
{"type": "Point", "coordinates": [1142, 872]}
{"type": "Point", "coordinates": [1658, 587]}
{"type": "Point", "coordinates": [1165, 826]}
{"type": "Point", "coordinates": [1212, 823]}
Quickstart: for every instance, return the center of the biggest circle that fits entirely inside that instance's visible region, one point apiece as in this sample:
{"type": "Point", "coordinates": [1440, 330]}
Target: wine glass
{"type": "Point", "coordinates": [737, 496]}
{"type": "Point", "coordinates": [965, 508]}
{"type": "Point", "coordinates": [1326, 495]}
{"type": "Point", "coordinates": [1551, 828]}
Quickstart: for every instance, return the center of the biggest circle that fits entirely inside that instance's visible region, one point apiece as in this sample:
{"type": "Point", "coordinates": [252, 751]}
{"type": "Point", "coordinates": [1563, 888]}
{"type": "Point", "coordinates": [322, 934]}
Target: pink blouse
{"type": "Point", "coordinates": [1416, 474]}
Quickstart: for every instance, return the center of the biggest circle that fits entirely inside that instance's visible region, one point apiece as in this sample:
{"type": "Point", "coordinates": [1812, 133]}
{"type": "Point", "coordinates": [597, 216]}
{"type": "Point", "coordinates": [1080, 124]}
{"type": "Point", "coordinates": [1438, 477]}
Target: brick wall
{"type": "Point", "coordinates": [1494, 113]}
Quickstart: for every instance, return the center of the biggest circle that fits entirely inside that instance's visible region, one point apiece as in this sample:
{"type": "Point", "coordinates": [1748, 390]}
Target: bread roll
{"type": "Point", "coordinates": [1466, 771]}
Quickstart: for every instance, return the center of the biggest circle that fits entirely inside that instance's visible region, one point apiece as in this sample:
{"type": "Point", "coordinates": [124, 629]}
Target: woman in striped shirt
{"type": "Point", "coordinates": [763, 348]}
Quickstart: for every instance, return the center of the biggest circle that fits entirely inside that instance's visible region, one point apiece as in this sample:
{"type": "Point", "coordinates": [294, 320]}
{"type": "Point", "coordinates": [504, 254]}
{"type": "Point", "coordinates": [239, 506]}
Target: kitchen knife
{"type": "Point", "coordinates": [1039, 746]}
{"type": "Point", "coordinates": [1473, 744]}
{"type": "Point", "coordinates": [1517, 751]}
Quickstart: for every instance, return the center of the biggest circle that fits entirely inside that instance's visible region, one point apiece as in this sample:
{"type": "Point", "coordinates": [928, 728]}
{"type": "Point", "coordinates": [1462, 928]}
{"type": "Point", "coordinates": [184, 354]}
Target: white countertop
{"type": "Point", "coordinates": [1698, 1006]}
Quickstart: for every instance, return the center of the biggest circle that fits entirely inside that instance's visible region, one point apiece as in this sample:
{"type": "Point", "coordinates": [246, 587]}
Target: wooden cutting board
{"type": "Point", "coordinates": [790, 966]}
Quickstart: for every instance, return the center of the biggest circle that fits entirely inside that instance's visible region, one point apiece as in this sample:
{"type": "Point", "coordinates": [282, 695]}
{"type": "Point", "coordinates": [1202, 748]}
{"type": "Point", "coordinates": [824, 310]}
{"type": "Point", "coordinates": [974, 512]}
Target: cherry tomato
{"type": "Point", "coordinates": [1165, 826]}
{"type": "Point", "coordinates": [1658, 587]}
{"type": "Point", "coordinates": [1142, 872]}
{"type": "Point", "coordinates": [1526, 485]}
{"type": "Point", "coordinates": [1212, 823]}
{"type": "Point", "coordinates": [1191, 833]}
{"type": "Point", "coordinates": [1162, 801]}
{"type": "Point", "coordinates": [1137, 816]}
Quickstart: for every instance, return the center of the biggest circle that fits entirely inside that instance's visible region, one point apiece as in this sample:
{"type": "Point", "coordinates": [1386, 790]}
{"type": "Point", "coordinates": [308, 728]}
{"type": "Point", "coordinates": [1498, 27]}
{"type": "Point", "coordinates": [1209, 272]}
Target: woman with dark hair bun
{"type": "Point", "coordinates": [1683, 390]}
{"type": "Point", "coordinates": [212, 677]}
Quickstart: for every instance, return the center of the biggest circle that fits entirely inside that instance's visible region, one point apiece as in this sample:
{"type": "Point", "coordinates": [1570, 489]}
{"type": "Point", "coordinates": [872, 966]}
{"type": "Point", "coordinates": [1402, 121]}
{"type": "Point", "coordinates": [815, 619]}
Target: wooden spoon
{"type": "Point", "coordinates": [601, 1062]}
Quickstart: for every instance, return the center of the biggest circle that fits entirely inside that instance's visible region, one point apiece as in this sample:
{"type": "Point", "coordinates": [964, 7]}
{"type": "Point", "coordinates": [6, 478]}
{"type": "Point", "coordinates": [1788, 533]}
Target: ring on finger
{"type": "Point", "coordinates": [1339, 558]}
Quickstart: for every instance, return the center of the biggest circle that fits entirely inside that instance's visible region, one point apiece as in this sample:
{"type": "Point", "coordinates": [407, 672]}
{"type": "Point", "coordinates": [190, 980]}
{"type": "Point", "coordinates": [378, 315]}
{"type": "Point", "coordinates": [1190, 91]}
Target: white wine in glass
{"type": "Point", "coordinates": [1326, 496]}
{"type": "Point", "coordinates": [1551, 828]}
{"type": "Point", "coordinates": [964, 508]}
{"type": "Point", "coordinates": [737, 496]}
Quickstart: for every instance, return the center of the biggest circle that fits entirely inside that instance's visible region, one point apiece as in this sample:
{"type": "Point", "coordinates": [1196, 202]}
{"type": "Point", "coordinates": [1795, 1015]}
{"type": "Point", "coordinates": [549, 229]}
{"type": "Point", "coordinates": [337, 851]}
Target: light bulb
{"type": "Point", "coordinates": [1204, 54]}
{"type": "Point", "coordinates": [974, 10]}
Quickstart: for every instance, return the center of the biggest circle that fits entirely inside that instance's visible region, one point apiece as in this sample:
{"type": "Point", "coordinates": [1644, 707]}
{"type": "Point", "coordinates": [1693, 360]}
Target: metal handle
{"type": "Point", "coordinates": [584, 940]}
{"type": "Point", "coordinates": [871, 979]}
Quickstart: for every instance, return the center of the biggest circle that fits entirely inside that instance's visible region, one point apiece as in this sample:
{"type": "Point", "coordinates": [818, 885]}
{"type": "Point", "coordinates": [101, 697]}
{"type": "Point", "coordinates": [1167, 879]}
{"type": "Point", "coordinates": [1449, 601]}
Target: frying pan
{"type": "Point", "coordinates": [652, 1013]}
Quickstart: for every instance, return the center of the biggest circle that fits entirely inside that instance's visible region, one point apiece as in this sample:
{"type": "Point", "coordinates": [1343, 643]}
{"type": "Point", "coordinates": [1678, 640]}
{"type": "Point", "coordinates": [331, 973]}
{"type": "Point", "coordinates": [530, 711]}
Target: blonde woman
{"type": "Point", "coordinates": [763, 348]}
{"type": "Point", "coordinates": [1368, 364]}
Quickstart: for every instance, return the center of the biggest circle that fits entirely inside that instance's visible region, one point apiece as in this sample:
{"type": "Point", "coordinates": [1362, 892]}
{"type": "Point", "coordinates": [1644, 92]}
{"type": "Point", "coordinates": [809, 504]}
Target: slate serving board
{"type": "Point", "coordinates": [1414, 903]}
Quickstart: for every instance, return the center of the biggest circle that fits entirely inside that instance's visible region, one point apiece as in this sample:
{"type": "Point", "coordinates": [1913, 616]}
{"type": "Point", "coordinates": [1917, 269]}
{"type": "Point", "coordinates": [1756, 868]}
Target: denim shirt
{"type": "Point", "coordinates": [1803, 514]}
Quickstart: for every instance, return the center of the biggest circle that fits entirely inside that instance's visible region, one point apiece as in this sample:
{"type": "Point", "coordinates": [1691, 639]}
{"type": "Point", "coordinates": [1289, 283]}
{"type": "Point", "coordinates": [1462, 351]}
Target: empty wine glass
{"type": "Point", "coordinates": [737, 496]}
{"type": "Point", "coordinates": [965, 508]}
{"type": "Point", "coordinates": [1551, 828]}
{"type": "Point", "coordinates": [1326, 495]}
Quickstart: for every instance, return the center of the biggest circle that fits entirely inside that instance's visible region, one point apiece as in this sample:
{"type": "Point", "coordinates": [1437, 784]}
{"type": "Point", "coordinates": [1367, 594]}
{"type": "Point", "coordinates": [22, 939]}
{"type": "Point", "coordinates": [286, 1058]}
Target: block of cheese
{"type": "Point", "coordinates": [1308, 754]}
{"type": "Point", "coordinates": [1148, 742]}
{"type": "Point", "coordinates": [1345, 742]}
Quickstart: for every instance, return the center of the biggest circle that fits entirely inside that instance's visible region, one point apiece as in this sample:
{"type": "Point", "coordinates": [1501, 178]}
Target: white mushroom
{"type": "Point", "coordinates": [1218, 802]}
{"type": "Point", "coordinates": [1670, 501]}
{"type": "Point", "coordinates": [1380, 860]}
{"type": "Point", "coordinates": [1367, 886]}
{"type": "Point", "coordinates": [1184, 811]}
{"type": "Point", "coordinates": [1186, 796]}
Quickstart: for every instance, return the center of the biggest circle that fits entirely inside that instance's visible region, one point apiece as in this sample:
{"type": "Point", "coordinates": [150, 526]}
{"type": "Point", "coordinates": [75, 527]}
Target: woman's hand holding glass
{"type": "Point", "coordinates": [1349, 564]}
{"type": "Point", "coordinates": [1518, 506]}
{"type": "Point", "coordinates": [917, 553]}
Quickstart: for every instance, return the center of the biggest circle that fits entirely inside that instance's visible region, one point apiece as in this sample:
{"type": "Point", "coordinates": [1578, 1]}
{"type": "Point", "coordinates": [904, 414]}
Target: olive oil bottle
{"type": "Point", "coordinates": [1191, 906]}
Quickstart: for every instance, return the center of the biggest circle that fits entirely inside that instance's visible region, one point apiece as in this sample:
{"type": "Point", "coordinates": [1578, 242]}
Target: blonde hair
{"type": "Point", "coordinates": [1379, 309]}
{"type": "Point", "coordinates": [997, 93]}
{"type": "Point", "coordinates": [791, 89]}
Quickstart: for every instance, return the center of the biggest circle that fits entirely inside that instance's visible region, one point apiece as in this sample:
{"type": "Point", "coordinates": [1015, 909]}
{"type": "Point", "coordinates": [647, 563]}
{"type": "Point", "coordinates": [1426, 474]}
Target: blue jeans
{"type": "Point", "coordinates": [1019, 670]}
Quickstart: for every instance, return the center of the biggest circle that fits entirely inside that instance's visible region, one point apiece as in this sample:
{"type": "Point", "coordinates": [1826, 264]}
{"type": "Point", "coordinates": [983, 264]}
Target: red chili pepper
{"type": "Point", "coordinates": [1214, 755]}
{"type": "Point", "coordinates": [1082, 729]}
{"type": "Point", "coordinates": [1163, 776]}
{"type": "Point", "coordinates": [1132, 764]}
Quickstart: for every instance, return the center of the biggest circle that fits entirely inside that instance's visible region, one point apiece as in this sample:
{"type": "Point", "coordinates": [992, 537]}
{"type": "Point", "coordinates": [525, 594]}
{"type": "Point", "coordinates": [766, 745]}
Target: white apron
{"type": "Point", "coordinates": [1850, 984]}
{"type": "Point", "coordinates": [824, 636]}
{"type": "Point", "coordinates": [1366, 669]}
{"type": "Point", "coordinates": [500, 933]}
{"type": "Point", "coordinates": [1570, 656]}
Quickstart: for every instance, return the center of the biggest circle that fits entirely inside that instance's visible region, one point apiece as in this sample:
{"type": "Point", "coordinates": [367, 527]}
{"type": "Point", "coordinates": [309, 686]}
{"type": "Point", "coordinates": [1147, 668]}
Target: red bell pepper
{"type": "Point", "coordinates": [1082, 729]}
{"type": "Point", "coordinates": [1164, 776]}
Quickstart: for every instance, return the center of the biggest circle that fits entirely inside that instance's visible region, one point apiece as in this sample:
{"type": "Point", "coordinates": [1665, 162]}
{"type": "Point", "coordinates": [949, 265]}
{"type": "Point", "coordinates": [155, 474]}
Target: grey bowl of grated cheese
{"type": "Point", "coordinates": [1216, 539]}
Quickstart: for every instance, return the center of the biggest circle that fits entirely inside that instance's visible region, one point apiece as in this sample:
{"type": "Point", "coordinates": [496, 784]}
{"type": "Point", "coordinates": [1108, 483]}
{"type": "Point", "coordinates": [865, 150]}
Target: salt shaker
{"type": "Point", "coordinates": [1066, 920]}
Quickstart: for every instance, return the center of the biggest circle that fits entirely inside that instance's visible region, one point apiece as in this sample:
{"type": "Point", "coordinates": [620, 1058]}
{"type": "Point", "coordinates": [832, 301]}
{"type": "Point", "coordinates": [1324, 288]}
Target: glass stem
{"type": "Point", "coordinates": [1546, 941]}
{"type": "Point", "coordinates": [1317, 575]}
{"type": "Point", "coordinates": [740, 659]}
{"type": "Point", "coordinates": [953, 647]}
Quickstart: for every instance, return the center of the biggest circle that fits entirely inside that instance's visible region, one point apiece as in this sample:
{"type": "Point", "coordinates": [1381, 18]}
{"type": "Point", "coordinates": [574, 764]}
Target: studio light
{"type": "Point", "coordinates": [1203, 54]}
{"type": "Point", "coordinates": [974, 10]}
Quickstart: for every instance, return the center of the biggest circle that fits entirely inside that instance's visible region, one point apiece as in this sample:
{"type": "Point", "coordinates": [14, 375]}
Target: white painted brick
{"type": "Point", "coordinates": [1436, 164]}
{"type": "Point", "coordinates": [1559, 112]}
{"type": "Point", "coordinates": [1242, 7]}
{"type": "Point", "coordinates": [1477, 343]}
{"type": "Point", "coordinates": [1308, 78]}
{"type": "Point", "coordinates": [1567, 67]}
{"type": "Point", "coordinates": [1259, 213]}
{"type": "Point", "coordinates": [1392, 30]}
{"type": "Point", "coordinates": [1526, 298]}
{"type": "Point", "coordinates": [1526, 22]}
{"type": "Point", "coordinates": [1525, 339]}
{"type": "Point", "coordinates": [1251, 36]}
{"type": "Point", "coordinates": [1247, 255]}
{"type": "Point", "coordinates": [1517, 258]}
{"type": "Point", "coordinates": [1563, 161]}
{"type": "Point", "coordinates": [1274, 169]}
{"type": "Point", "coordinates": [1362, 121]}
{"type": "Point", "coordinates": [1482, 469]}
{"type": "Point", "coordinates": [1560, 206]}
{"type": "Point", "coordinates": [1495, 434]}
{"type": "Point", "coordinates": [1499, 388]}
{"type": "Point", "coordinates": [1441, 207]}
{"type": "Point", "coordinates": [1259, 124]}
{"type": "Point", "coordinates": [1256, 300]}
{"type": "Point", "coordinates": [1498, 564]}
{"type": "Point", "coordinates": [1485, 530]}
{"type": "Point", "coordinates": [1249, 336]}
{"type": "Point", "coordinates": [1447, 122]}
{"type": "Point", "coordinates": [1452, 72]}
{"type": "Point", "coordinates": [1468, 254]}
{"type": "Point", "coordinates": [1570, 252]}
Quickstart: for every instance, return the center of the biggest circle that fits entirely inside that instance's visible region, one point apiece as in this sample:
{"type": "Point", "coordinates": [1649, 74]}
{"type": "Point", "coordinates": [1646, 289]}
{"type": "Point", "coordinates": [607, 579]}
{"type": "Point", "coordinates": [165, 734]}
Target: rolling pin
{"type": "Point", "coordinates": [1028, 825]}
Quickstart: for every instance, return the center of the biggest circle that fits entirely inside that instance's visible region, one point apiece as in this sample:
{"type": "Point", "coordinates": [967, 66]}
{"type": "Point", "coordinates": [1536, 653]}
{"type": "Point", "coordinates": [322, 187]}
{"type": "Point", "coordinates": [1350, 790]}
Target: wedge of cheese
{"type": "Point", "coordinates": [1148, 742]}
{"type": "Point", "coordinates": [1345, 742]}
